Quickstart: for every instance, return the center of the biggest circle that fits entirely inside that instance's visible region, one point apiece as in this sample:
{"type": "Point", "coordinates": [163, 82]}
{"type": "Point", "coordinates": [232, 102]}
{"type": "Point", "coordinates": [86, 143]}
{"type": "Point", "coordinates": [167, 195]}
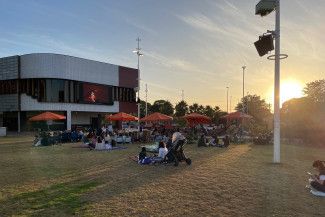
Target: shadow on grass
{"type": "Point", "coordinates": [64, 198]}
{"type": "Point", "coordinates": [121, 176]}
{"type": "Point", "coordinates": [135, 176]}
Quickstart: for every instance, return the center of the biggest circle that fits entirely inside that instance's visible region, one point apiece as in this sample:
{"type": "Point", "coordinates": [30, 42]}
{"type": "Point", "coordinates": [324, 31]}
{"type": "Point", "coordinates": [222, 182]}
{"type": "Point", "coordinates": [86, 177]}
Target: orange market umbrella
{"type": "Point", "coordinates": [121, 117]}
{"type": "Point", "coordinates": [195, 119]}
{"type": "Point", "coordinates": [156, 117]}
{"type": "Point", "coordinates": [47, 116]}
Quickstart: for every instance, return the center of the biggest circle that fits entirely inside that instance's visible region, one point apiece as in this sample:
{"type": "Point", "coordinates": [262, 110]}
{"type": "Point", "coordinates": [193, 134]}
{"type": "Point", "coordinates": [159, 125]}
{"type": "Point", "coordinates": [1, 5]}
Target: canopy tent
{"type": "Point", "coordinates": [195, 119]}
{"type": "Point", "coordinates": [121, 117]}
{"type": "Point", "coordinates": [156, 117]}
{"type": "Point", "coordinates": [48, 117]}
{"type": "Point", "coordinates": [236, 116]}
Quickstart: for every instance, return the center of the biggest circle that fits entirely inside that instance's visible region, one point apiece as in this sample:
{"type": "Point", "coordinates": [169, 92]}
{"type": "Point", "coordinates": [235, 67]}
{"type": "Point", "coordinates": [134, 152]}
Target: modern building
{"type": "Point", "coordinates": [81, 89]}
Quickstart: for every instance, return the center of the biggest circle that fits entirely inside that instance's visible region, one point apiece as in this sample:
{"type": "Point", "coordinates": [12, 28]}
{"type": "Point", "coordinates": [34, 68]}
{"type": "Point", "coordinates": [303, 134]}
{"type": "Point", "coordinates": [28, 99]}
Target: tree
{"type": "Point", "coordinates": [217, 113]}
{"type": "Point", "coordinates": [162, 106]}
{"type": "Point", "coordinates": [196, 108]}
{"type": "Point", "coordinates": [143, 108]}
{"type": "Point", "coordinates": [303, 118]}
{"type": "Point", "coordinates": [256, 107]}
{"type": "Point", "coordinates": [208, 111]}
{"type": "Point", "coordinates": [181, 109]}
{"type": "Point", "coordinates": [316, 90]}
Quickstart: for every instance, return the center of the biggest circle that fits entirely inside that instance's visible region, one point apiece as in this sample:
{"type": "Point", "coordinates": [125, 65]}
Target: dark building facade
{"type": "Point", "coordinates": [83, 90]}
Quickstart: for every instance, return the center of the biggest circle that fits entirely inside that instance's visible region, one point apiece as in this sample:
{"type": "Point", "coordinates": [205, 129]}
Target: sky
{"type": "Point", "coordinates": [198, 46]}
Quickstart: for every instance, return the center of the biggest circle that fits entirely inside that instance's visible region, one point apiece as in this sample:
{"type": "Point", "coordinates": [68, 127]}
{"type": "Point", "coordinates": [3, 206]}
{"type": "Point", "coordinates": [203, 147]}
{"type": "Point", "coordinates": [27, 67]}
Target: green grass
{"type": "Point", "coordinates": [239, 181]}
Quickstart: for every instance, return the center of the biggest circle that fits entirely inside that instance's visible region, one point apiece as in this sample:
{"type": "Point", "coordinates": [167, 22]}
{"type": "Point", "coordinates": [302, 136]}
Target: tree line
{"type": "Point", "coordinates": [181, 108]}
{"type": "Point", "coordinates": [303, 118]}
{"type": "Point", "coordinates": [253, 105]}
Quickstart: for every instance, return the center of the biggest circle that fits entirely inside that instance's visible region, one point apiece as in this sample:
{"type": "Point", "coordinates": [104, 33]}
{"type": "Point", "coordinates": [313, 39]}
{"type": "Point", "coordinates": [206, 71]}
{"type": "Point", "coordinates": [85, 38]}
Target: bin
{"type": "Point", "coordinates": [3, 131]}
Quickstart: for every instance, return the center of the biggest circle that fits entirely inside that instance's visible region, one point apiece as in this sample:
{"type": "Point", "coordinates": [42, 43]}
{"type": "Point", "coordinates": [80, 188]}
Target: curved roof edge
{"type": "Point", "coordinates": [73, 57]}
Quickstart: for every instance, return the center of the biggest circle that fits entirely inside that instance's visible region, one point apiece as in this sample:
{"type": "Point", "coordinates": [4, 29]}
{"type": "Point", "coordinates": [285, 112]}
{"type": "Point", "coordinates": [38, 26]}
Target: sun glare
{"type": "Point", "coordinates": [289, 89]}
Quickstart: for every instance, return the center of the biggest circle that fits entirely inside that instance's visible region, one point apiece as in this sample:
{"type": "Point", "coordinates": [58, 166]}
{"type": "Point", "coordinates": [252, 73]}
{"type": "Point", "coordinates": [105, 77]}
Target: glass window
{"type": "Point", "coordinates": [42, 90]}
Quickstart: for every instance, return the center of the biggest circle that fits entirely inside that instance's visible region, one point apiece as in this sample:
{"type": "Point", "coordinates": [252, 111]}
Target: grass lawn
{"type": "Point", "coordinates": [239, 181]}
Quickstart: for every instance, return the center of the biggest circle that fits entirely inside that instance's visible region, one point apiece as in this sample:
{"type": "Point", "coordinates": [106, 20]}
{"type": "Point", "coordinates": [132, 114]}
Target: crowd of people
{"type": "Point", "coordinates": [213, 141]}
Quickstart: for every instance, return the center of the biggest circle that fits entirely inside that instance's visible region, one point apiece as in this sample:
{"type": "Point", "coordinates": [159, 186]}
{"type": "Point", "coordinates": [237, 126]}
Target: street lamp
{"type": "Point", "coordinates": [138, 53]}
{"type": "Point", "coordinates": [263, 46]}
{"type": "Point", "coordinates": [146, 100]}
{"type": "Point", "coordinates": [227, 99]}
{"type": "Point", "coordinates": [243, 67]}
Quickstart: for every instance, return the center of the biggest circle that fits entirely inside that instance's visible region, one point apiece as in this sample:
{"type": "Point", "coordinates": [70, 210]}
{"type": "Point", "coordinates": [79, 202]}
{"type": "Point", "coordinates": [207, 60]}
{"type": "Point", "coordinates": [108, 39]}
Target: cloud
{"type": "Point", "coordinates": [139, 26]}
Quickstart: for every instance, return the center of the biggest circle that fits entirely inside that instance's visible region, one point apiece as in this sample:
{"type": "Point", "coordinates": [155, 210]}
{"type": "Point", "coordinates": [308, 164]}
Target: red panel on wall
{"type": "Point", "coordinates": [128, 77]}
{"type": "Point", "coordinates": [129, 107]}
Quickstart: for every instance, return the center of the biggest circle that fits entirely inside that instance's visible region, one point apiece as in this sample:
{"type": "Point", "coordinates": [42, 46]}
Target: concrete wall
{"type": "Point", "coordinates": [9, 102]}
{"type": "Point", "coordinates": [9, 68]}
{"type": "Point", "coordinates": [82, 118]}
{"type": "Point", "coordinates": [47, 65]}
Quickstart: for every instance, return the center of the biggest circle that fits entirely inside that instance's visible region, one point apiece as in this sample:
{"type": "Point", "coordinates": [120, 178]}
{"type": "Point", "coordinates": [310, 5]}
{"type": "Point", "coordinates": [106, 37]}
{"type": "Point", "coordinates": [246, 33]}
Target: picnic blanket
{"type": "Point", "coordinates": [113, 148]}
{"type": "Point", "coordinates": [152, 148]}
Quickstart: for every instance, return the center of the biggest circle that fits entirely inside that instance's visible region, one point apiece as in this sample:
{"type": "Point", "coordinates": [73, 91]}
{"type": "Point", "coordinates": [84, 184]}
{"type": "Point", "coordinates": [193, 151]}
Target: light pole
{"type": "Point", "coordinates": [146, 100]}
{"type": "Point", "coordinates": [227, 99]}
{"type": "Point", "coordinates": [137, 51]}
{"type": "Point", "coordinates": [276, 154]}
{"type": "Point", "coordinates": [230, 108]}
{"type": "Point", "coordinates": [243, 67]}
{"type": "Point", "coordinates": [182, 95]}
{"type": "Point", "coordinates": [263, 46]}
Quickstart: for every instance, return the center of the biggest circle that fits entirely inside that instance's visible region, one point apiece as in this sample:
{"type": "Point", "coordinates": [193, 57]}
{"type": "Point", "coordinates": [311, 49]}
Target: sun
{"type": "Point", "coordinates": [289, 89]}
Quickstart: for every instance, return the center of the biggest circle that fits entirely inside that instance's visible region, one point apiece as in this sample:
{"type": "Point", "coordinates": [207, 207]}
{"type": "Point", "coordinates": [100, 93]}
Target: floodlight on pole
{"type": "Point", "coordinates": [138, 53]}
{"type": "Point", "coordinates": [263, 8]}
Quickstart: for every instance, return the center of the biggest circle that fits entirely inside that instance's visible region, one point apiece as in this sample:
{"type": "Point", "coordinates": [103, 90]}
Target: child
{"type": "Point", "coordinates": [142, 158]}
{"type": "Point", "coordinates": [319, 180]}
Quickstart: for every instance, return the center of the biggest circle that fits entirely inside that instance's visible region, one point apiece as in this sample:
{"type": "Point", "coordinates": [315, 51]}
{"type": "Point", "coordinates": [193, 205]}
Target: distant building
{"type": "Point", "coordinates": [83, 90]}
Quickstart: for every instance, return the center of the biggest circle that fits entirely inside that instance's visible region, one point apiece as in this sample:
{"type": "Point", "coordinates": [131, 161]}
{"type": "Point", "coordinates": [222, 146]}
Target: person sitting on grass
{"type": "Point", "coordinates": [318, 182]}
{"type": "Point", "coordinates": [202, 141]}
{"type": "Point", "coordinates": [142, 158]}
{"type": "Point", "coordinates": [162, 150]}
{"type": "Point", "coordinates": [142, 154]}
{"type": "Point", "coordinates": [226, 141]}
{"type": "Point", "coordinates": [93, 142]}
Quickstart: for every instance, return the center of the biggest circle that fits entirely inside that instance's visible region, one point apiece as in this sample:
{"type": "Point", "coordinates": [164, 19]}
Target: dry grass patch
{"type": "Point", "coordinates": [238, 181]}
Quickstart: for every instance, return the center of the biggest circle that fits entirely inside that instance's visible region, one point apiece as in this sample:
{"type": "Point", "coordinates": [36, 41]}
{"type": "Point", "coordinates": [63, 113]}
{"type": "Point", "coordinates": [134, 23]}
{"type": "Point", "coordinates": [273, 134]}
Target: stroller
{"type": "Point", "coordinates": [176, 152]}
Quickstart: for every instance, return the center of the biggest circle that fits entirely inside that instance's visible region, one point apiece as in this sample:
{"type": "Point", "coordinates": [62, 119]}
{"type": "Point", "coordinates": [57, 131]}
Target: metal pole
{"type": "Point", "coordinates": [182, 95]}
{"type": "Point", "coordinates": [227, 99]}
{"type": "Point", "coordinates": [244, 67]}
{"type": "Point", "coordinates": [276, 154]}
{"type": "Point", "coordinates": [230, 109]}
{"type": "Point", "coordinates": [138, 53]}
{"type": "Point", "coordinates": [146, 100]}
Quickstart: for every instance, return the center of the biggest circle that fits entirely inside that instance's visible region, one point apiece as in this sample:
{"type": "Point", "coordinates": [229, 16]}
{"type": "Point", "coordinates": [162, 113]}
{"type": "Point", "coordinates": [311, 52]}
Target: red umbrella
{"type": "Point", "coordinates": [195, 119]}
{"type": "Point", "coordinates": [121, 117]}
{"type": "Point", "coordinates": [156, 117]}
{"type": "Point", "coordinates": [236, 116]}
{"type": "Point", "coordinates": [47, 116]}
